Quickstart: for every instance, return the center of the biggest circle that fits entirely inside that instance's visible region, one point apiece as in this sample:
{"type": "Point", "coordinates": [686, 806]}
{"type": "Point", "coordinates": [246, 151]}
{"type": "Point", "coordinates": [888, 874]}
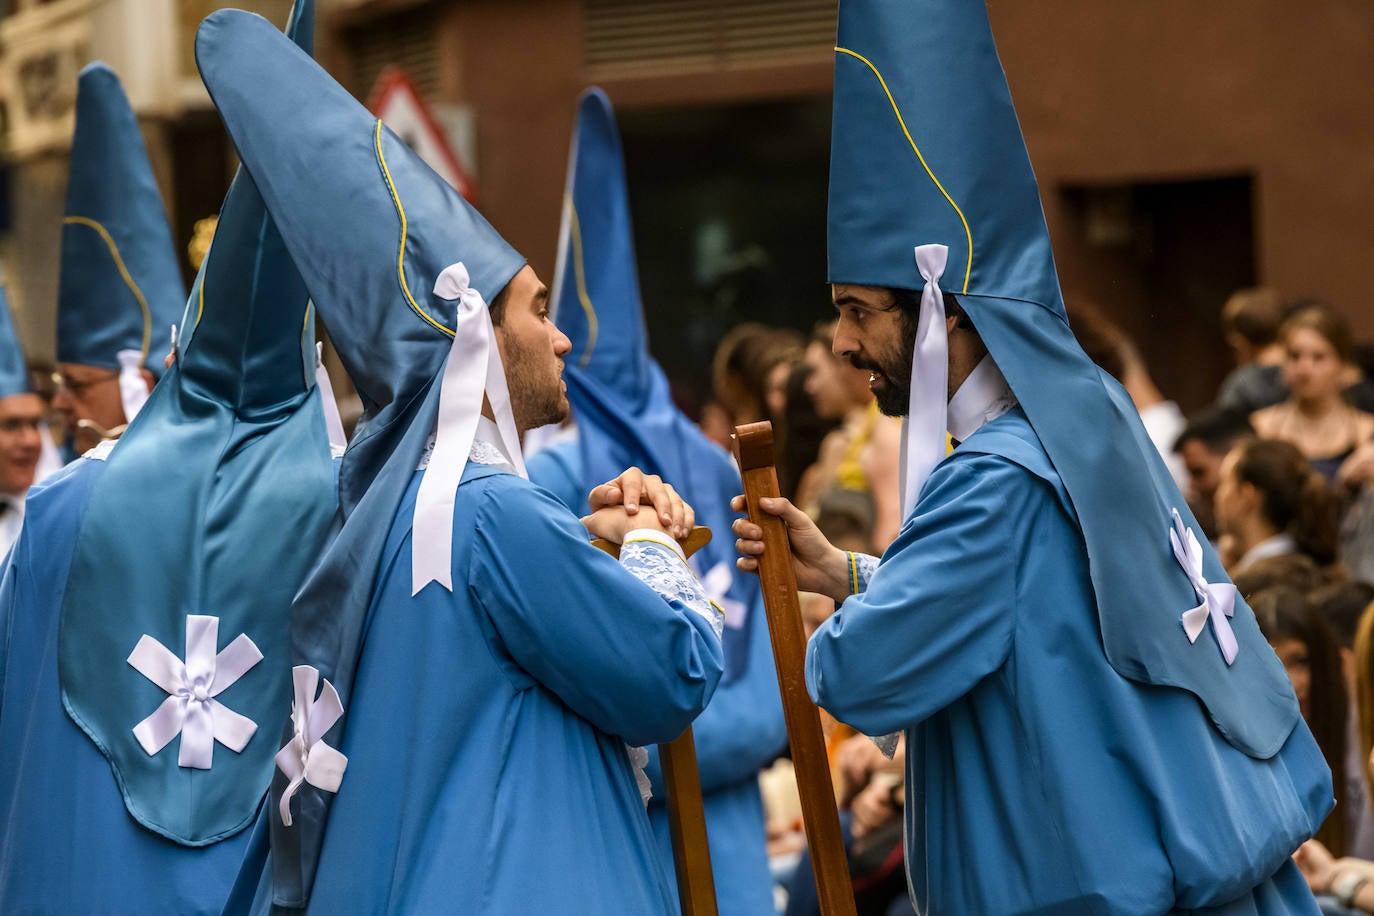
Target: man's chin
{"type": "Point", "coordinates": [892, 402]}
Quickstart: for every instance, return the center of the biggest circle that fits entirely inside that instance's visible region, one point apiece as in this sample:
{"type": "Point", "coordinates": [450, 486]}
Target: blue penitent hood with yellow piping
{"type": "Point", "coordinates": [620, 397]}
{"type": "Point", "coordinates": [120, 287]}
{"type": "Point", "coordinates": [926, 149]}
{"type": "Point", "coordinates": [14, 371]}
{"type": "Point", "coordinates": [371, 228]}
{"type": "Point", "coordinates": [174, 641]}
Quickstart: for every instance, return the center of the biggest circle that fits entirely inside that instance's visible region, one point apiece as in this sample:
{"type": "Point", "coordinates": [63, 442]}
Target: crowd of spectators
{"type": "Point", "coordinates": [1278, 472]}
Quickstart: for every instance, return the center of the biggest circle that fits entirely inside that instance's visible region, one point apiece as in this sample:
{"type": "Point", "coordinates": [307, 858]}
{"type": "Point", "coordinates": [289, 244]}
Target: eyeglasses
{"type": "Point", "coordinates": [77, 387]}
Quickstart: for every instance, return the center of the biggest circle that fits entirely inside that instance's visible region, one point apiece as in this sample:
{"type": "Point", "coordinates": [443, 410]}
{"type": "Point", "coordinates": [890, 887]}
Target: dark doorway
{"type": "Point", "coordinates": [729, 211]}
{"type": "Point", "coordinates": [1161, 258]}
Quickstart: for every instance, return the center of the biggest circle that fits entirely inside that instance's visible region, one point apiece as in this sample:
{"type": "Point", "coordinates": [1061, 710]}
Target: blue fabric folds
{"type": "Point", "coordinates": [214, 503]}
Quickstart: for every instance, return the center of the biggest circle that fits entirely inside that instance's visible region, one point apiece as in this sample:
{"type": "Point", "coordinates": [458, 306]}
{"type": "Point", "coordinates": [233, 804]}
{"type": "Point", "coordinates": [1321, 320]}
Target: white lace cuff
{"type": "Point", "coordinates": [657, 561]}
{"type": "Point", "coordinates": [861, 570]}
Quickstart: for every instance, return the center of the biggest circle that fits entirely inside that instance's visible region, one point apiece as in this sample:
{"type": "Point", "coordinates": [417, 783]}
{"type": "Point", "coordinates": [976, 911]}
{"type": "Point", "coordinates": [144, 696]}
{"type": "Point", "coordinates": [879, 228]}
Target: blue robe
{"type": "Point", "coordinates": [69, 845]}
{"type": "Point", "coordinates": [487, 727]}
{"type": "Point", "coordinates": [739, 733]}
{"type": "Point", "coordinates": [1038, 779]}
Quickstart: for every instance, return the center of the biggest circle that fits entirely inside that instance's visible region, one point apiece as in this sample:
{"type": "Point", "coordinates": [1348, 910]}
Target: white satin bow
{"type": "Point", "coordinates": [1218, 599]}
{"type": "Point", "coordinates": [306, 758]}
{"type": "Point", "coordinates": [923, 442]}
{"type": "Point", "coordinates": [191, 709]}
{"type": "Point", "coordinates": [473, 369]}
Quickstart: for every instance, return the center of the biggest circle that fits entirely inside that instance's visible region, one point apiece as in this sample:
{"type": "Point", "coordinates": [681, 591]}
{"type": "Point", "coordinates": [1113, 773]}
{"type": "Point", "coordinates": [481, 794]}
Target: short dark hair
{"type": "Point", "coordinates": [1341, 604]}
{"type": "Point", "coordinates": [1254, 314]}
{"type": "Point", "coordinates": [909, 302]}
{"type": "Point", "coordinates": [497, 306]}
{"type": "Point", "coordinates": [1218, 428]}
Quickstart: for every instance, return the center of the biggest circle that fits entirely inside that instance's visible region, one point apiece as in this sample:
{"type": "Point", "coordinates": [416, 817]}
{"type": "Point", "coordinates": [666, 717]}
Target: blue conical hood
{"type": "Point", "coordinates": [226, 468]}
{"type": "Point", "coordinates": [597, 283]}
{"type": "Point", "coordinates": [369, 225]}
{"type": "Point", "coordinates": [371, 228]}
{"type": "Point", "coordinates": [619, 395]}
{"type": "Point", "coordinates": [120, 286]}
{"type": "Point", "coordinates": [248, 335]}
{"type": "Point", "coordinates": [926, 149]}
{"type": "Point", "coordinates": [14, 372]}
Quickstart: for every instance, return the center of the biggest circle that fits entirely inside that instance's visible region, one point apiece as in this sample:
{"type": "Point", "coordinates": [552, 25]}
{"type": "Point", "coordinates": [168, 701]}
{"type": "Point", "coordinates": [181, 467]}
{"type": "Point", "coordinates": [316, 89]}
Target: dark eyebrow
{"type": "Point", "coordinates": [542, 295]}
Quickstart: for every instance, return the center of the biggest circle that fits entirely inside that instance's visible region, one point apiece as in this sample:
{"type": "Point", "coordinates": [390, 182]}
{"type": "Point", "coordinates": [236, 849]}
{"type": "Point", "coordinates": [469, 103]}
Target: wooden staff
{"type": "Point", "coordinates": [754, 452]}
{"type": "Point", "coordinates": [696, 886]}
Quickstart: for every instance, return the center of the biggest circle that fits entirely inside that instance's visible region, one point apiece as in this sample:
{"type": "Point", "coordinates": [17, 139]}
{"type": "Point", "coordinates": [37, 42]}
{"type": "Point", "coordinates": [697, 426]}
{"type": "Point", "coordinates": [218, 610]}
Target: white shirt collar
{"type": "Point", "coordinates": [983, 397]}
{"type": "Point", "coordinates": [486, 445]}
{"type": "Point", "coordinates": [1279, 545]}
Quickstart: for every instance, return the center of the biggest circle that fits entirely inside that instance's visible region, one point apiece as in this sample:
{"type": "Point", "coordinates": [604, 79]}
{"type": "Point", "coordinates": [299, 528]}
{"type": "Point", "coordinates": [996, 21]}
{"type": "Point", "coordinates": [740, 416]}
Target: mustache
{"type": "Point", "coordinates": [865, 365]}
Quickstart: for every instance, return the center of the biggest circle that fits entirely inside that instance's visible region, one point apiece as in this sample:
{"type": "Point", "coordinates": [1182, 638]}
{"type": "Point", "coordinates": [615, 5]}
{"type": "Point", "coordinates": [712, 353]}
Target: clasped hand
{"type": "Point", "coordinates": [637, 500]}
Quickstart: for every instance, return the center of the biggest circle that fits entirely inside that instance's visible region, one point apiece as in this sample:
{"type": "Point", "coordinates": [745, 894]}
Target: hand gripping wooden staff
{"type": "Point", "coordinates": [754, 452]}
{"type": "Point", "coordinates": [696, 886]}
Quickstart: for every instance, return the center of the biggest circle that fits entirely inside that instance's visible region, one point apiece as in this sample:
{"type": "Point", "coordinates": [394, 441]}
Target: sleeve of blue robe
{"type": "Point", "coordinates": [743, 729]}
{"type": "Point", "coordinates": [937, 616]}
{"type": "Point", "coordinates": [632, 663]}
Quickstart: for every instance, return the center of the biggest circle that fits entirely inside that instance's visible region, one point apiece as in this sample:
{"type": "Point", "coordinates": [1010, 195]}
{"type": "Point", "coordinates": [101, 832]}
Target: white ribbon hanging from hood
{"type": "Point", "coordinates": [133, 388]}
{"type": "Point", "coordinates": [923, 434]}
{"type": "Point", "coordinates": [473, 369]}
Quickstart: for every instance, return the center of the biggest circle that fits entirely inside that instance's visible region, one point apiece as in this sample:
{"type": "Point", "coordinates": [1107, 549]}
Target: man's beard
{"type": "Point", "coordinates": [534, 400]}
{"type": "Point", "coordinates": [893, 393]}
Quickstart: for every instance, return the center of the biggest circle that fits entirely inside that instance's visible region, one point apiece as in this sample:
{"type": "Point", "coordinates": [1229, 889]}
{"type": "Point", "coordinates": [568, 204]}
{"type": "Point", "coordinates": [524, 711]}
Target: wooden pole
{"type": "Point", "coordinates": [754, 452]}
{"type": "Point", "coordinates": [696, 886]}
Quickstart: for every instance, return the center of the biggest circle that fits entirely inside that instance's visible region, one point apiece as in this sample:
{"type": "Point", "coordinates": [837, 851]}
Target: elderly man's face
{"type": "Point", "coordinates": [20, 441]}
{"type": "Point", "coordinates": [872, 334]}
{"type": "Point", "coordinates": [88, 393]}
{"type": "Point", "coordinates": [532, 350]}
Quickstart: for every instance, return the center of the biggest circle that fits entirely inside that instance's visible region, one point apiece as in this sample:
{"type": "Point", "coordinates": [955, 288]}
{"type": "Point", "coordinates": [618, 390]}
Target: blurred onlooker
{"type": "Point", "coordinates": [1250, 320]}
{"type": "Point", "coordinates": [1303, 643]}
{"type": "Point", "coordinates": [1291, 569]}
{"type": "Point", "coordinates": [858, 466]}
{"type": "Point", "coordinates": [803, 431]}
{"type": "Point", "coordinates": [1317, 417]}
{"type": "Point", "coordinates": [1270, 502]}
{"type": "Point", "coordinates": [21, 445]}
{"type": "Point", "coordinates": [1113, 350]}
{"type": "Point", "coordinates": [1203, 446]}
{"type": "Point", "coordinates": [1342, 605]}
{"type": "Point", "coordinates": [745, 359]}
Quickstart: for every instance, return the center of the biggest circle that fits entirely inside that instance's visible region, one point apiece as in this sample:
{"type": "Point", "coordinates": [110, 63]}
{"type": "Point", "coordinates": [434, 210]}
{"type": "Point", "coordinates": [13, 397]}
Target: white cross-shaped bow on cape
{"type": "Point", "coordinates": [306, 758]}
{"type": "Point", "coordinates": [191, 709]}
{"type": "Point", "coordinates": [1218, 599]}
{"type": "Point", "coordinates": [716, 584]}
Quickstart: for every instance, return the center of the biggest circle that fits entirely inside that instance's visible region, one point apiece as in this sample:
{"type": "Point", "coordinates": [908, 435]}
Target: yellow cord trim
{"type": "Point", "coordinates": [580, 274]}
{"type": "Point", "coordinates": [401, 256]}
{"type": "Point", "coordinates": [853, 573]}
{"type": "Point", "coordinates": [123, 272]}
{"type": "Point", "coordinates": [200, 312]}
{"type": "Point", "coordinates": [305, 329]}
{"type": "Point", "coordinates": [968, 271]}
{"type": "Point", "coordinates": [661, 544]}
